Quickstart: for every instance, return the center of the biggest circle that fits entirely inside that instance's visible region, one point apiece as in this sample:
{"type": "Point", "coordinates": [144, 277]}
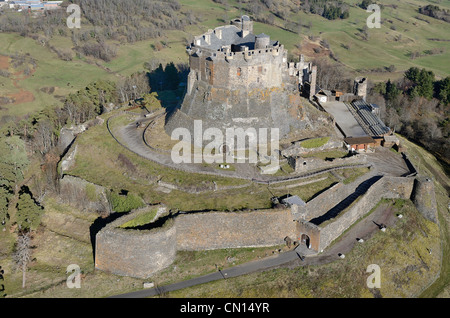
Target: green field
{"type": "Point", "coordinates": [65, 76]}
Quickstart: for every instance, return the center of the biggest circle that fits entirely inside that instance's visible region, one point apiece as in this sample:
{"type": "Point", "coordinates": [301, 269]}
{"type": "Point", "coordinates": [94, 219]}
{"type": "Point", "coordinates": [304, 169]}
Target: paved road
{"type": "Point", "coordinates": [235, 271]}
{"type": "Point", "coordinates": [293, 258]}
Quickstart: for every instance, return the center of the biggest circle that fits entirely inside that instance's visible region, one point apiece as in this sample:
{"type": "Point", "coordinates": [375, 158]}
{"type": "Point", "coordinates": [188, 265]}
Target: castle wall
{"type": "Point", "coordinates": [135, 253]}
{"type": "Point", "coordinates": [297, 150]}
{"type": "Point", "coordinates": [300, 164]}
{"type": "Point", "coordinates": [312, 231]}
{"type": "Point", "coordinates": [386, 187]}
{"type": "Point", "coordinates": [216, 230]}
{"type": "Point", "coordinates": [330, 198]}
{"type": "Point", "coordinates": [424, 198]}
{"type": "Point", "coordinates": [75, 190]}
{"type": "Point", "coordinates": [261, 68]}
{"type": "Point", "coordinates": [142, 253]}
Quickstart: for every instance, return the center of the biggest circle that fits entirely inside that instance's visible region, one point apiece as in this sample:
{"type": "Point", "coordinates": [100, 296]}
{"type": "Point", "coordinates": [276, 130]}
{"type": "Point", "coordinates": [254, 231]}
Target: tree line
{"type": "Point", "coordinates": [417, 106]}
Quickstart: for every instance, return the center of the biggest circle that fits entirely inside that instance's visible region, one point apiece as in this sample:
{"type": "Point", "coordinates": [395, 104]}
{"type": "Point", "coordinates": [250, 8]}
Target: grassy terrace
{"type": "Point", "coordinates": [141, 219]}
{"type": "Point", "coordinates": [97, 161]}
{"type": "Point", "coordinates": [315, 142]}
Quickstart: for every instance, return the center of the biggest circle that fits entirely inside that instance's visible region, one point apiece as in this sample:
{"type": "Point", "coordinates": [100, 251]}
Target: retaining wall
{"type": "Point", "coordinates": [386, 187]}
{"type": "Point", "coordinates": [135, 253]}
{"type": "Point", "coordinates": [140, 253]}
{"type": "Point", "coordinates": [216, 230]}
{"type": "Point", "coordinates": [328, 199]}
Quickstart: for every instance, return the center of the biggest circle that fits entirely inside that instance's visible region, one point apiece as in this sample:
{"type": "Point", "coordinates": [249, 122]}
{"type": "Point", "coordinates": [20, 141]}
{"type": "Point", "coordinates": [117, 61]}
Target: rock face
{"type": "Point", "coordinates": [241, 80]}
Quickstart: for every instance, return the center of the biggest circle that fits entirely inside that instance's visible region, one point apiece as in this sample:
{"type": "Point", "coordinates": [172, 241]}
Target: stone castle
{"type": "Point", "coordinates": [239, 80]}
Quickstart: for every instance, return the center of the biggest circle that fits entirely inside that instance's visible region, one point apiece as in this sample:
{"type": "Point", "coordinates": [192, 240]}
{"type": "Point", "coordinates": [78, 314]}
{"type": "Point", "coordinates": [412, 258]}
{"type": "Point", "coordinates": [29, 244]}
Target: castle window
{"type": "Point", "coordinates": [239, 71]}
{"type": "Point", "coordinates": [259, 69]}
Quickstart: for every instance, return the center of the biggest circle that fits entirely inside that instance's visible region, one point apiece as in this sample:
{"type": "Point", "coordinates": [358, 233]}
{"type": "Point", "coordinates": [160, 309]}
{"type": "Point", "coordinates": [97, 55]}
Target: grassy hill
{"type": "Point", "coordinates": [404, 31]}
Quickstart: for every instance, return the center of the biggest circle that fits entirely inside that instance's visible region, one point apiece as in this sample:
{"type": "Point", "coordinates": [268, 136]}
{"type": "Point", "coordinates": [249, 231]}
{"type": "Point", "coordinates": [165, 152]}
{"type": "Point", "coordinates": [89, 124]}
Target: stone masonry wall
{"type": "Point", "coordinates": [216, 230]}
{"type": "Point", "coordinates": [424, 198]}
{"type": "Point", "coordinates": [386, 187]}
{"type": "Point", "coordinates": [141, 253]}
{"type": "Point", "coordinates": [135, 253]}
{"type": "Point", "coordinates": [328, 199]}
{"type": "Point", "coordinates": [75, 192]}
{"type": "Point", "coordinates": [300, 164]}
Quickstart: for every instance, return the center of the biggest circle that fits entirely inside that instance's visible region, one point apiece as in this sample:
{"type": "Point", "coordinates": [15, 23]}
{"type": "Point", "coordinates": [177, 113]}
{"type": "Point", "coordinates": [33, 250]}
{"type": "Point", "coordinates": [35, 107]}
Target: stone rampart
{"type": "Point", "coordinates": [141, 253]}
{"type": "Point", "coordinates": [424, 198]}
{"type": "Point", "coordinates": [82, 194]}
{"type": "Point", "coordinates": [136, 253]}
{"type": "Point", "coordinates": [330, 198]}
{"type": "Point", "coordinates": [296, 150]}
{"type": "Point", "coordinates": [300, 164]}
{"type": "Point", "coordinates": [216, 230]}
{"type": "Point", "coordinates": [386, 187]}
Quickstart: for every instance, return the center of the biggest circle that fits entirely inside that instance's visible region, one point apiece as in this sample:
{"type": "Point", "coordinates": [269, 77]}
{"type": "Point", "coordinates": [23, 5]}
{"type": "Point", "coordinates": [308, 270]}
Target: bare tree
{"type": "Point", "coordinates": [22, 255]}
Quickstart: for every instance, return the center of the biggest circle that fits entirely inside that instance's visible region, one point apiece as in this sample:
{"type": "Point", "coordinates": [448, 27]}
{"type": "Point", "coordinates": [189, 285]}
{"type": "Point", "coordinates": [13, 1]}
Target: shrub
{"type": "Point", "coordinates": [125, 203]}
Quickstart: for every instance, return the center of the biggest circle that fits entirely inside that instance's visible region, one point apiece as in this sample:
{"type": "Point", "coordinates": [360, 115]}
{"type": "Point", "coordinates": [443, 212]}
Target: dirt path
{"type": "Point", "coordinates": [22, 96]}
{"type": "Point", "coordinates": [4, 62]}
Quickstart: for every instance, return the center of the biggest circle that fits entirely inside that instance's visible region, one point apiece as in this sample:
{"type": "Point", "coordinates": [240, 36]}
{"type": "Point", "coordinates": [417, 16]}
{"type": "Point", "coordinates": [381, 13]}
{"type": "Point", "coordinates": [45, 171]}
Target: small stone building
{"type": "Point", "coordinates": [360, 143]}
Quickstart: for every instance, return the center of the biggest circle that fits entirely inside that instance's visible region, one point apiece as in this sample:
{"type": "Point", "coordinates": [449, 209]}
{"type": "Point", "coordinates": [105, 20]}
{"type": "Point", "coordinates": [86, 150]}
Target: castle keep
{"type": "Point", "coordinates": [239, 80]}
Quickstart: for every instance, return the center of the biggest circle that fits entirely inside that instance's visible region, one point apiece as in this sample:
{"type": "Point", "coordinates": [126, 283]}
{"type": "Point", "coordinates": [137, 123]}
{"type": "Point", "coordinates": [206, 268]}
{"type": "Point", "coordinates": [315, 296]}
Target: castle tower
{"type": "Point", "coordinates": [360, 87]}
{"type": "Point", "coordinates": [312, 87]}
{"type": "Point", "coordinates": [247, 26]}
{"type": "Point", "coordinates": [239, 80]}
{"type": "Point", "coordinates": [262, 41]}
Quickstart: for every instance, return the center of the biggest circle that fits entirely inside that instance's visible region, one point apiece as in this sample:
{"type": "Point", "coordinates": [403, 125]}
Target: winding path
{"type": "Point", "coordinates": [132, 138]}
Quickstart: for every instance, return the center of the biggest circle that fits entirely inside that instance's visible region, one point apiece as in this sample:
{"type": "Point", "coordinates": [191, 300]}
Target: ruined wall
{"type": "Point", "coordinates": [297, 150]}
{"type": "Point", "coordinates": [300, 164]}
{"type": "Point", "coordinates": [85, 195]}
{"type": "Point", "coordinates": [216, 230]}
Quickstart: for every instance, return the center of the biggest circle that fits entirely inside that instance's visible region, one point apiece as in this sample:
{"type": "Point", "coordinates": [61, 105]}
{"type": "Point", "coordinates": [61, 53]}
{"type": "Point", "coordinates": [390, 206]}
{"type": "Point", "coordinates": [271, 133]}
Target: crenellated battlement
{"type": "Point", "coordinates": [228, 63]}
